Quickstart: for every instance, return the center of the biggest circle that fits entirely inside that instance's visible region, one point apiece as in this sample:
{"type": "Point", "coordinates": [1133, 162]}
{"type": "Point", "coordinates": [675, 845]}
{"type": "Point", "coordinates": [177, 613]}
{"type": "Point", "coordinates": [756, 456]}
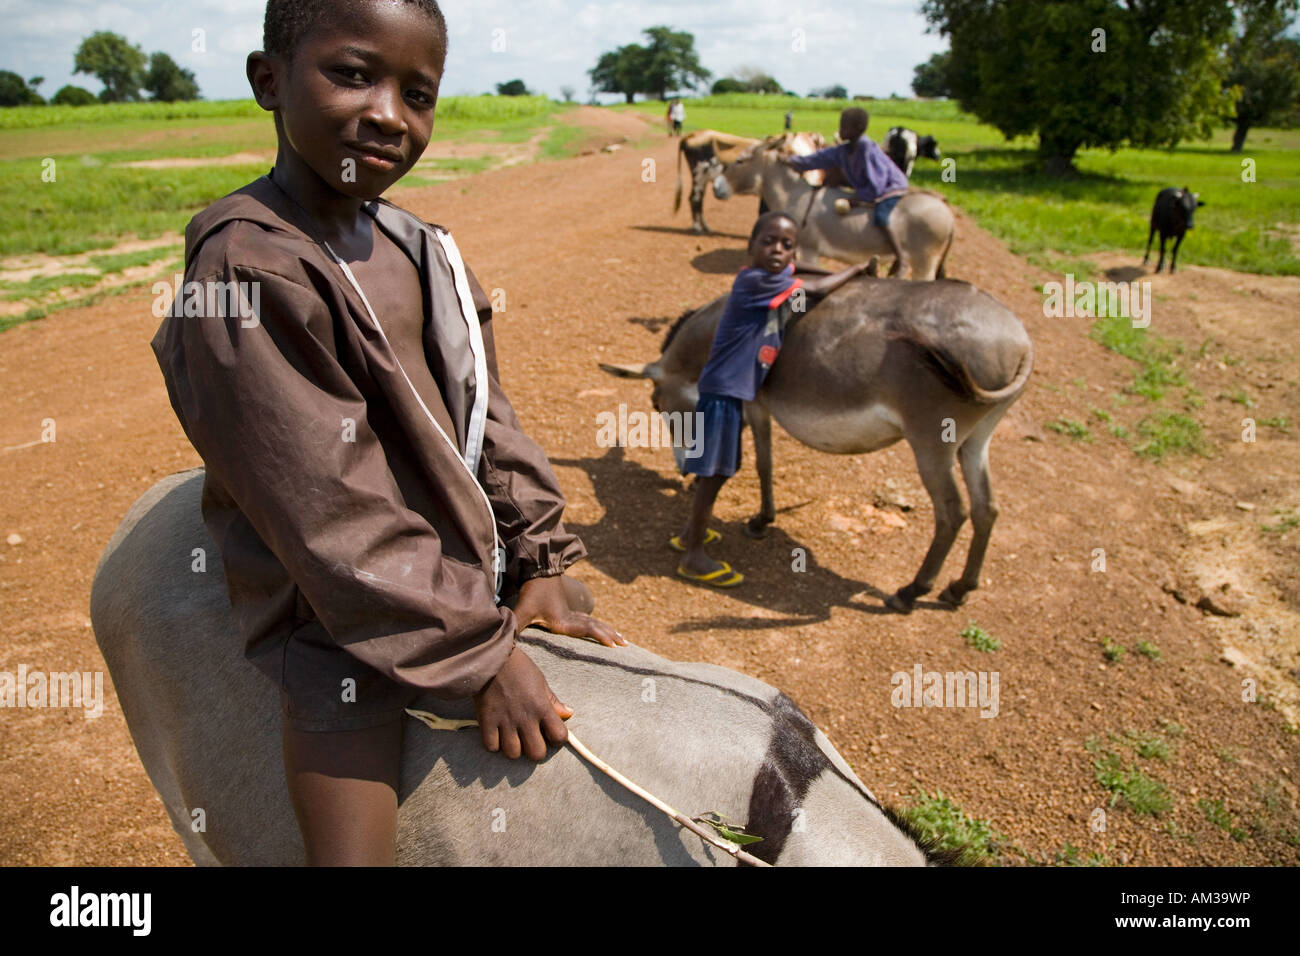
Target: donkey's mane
{"type": "Point", "coordinates": [929, 843]}
{"type": "Point", "coordinates": [675, 328]}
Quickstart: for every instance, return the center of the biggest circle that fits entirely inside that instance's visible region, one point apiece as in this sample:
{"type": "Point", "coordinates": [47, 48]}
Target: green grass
{"type": "Point", "coordinates": [40, 285]}
{"type": "Point", "coordinates": [1058, 221]}
{"type": "Point", "coordinates": [1217, 814]}
{"type": "Point", "coordinates": [1111, 651]}
{"type": "Point", "coordinates": [938, 818]}
{"type": "Point", "coordinates": [1147, 649]}
{"type": "Point", "coordinates": [1170, 432]}
{"type": "Point", "coordinates": [980, 639]}
{"type": "Point", "coordinates": [1130, 786]}
{"type": "Point", "coordinates": [1289, 522]}
{"type": "Point", "coordinates": [1239, 396]}
{"type": "Point", "coordinates": [1071, 428]}
{"type": "Point", "coordinates": [1071, 855]}
{"type": "Point", "coordinates": [94, 202]}
{"type": "Point", "coordinates": [130, 260]}
{"type": "Point", "coordinates": [1146, 744]}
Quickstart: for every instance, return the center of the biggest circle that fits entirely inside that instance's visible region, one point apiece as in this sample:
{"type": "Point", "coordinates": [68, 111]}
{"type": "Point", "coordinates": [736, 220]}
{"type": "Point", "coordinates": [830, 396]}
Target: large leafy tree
{"type": "Point", "coordinates": [620, 71]}
{"type": "Point", "coordinates": [931, 77]}
{"type": "Point", "coordinates": [166, 81]}
{"type": "Point", "coordinates": [1080, 73]}
{"type": "Point", "coordinates": [119, 65]}
{"type": "Point", "coordinates": [667, 62]}
{"type": "Point", "coordinates": [1265, 67]}
{"type": "Point", "coordinates": [14, 91]}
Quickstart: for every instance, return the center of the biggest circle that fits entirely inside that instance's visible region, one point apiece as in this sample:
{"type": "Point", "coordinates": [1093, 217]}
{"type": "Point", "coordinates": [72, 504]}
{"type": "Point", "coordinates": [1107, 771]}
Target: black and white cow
{"type": "Point", "coordinates": [903, 146]}
{"type": "Point", "coordinates": [1171, 215]}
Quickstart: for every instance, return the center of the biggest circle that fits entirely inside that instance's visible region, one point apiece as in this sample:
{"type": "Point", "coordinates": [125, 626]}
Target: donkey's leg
{"type": "Point", "coordinates": [1173, 256]}
{"type": "Point", "coordinates": [1147, 257]}
{"type": "Point", "coordinates": [934, 460]}
{"type": "Point", "coordinates": [760, 422]}
{"type": "Point", "coordinates": [974, 458]}
{"type": "Point", "coordinates": [1160, 264]}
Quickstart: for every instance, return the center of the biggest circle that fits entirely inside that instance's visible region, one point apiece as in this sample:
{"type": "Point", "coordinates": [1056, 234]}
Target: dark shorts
{"type": "Point", "coordinates": [719, 439]}
{"type": "Point", "coordinates": [314, 697]}
{"type": "Point", "coordinates": [883, 208]}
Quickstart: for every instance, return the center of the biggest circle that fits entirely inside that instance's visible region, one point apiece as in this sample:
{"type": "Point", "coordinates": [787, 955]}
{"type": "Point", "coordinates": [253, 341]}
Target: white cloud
{"type": "Point", "coordinates": [869, 47]}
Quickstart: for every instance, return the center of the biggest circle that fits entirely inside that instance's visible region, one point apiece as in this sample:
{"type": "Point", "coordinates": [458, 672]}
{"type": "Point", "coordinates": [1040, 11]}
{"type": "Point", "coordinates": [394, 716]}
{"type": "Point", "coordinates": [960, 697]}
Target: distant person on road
{"type": "Point", "coordinates": [676, 117]}
{"type": "Point", "coordinates": [867, 169]}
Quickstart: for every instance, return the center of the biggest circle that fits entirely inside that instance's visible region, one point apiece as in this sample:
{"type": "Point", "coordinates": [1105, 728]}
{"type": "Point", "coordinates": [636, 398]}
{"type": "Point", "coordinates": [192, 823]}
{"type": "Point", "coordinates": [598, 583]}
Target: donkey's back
{"type": "Point", "coordinates": [703, 738]}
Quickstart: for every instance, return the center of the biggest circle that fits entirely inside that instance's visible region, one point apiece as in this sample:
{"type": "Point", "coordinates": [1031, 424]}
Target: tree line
{"type": "Point", "coordinates": [128, 74]}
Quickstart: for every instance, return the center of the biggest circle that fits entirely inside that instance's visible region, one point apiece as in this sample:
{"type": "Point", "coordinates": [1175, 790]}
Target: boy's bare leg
{"type": "Point", "coordinates": [343, 785]}
{"type": "Point", "coordinates": [695, 559]}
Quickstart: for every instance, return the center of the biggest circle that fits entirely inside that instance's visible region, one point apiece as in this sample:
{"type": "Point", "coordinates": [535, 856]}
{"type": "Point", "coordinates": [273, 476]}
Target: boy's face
{"type": "Point", "coordinates": [356, 104]}
{"type": "Point", "coordinates": [773, 247]}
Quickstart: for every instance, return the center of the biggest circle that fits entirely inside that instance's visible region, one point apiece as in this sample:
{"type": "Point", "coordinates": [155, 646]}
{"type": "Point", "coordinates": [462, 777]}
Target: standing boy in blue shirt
{"type": "Point", "coordinates": [745, 345]}
{"type": "Point", "coordinates": [867, 169]}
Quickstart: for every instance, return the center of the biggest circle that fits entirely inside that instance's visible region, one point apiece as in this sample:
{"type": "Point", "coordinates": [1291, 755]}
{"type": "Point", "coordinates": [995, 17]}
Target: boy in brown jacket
{"type": "Point", "coordinates": [386, 526]}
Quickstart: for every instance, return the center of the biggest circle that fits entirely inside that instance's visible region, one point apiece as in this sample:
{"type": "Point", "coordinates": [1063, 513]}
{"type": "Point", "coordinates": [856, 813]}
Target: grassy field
{"type": "Point", "coordinates": [94, 201]}
{"type": "Point", "coordinates": [1247, 226]}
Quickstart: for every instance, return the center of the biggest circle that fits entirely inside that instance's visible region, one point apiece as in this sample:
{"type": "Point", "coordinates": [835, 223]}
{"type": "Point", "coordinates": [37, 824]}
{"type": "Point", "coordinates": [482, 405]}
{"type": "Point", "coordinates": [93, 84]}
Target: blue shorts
{"type": "Point", "coordinates": [883, 208]}
{"type": "Point", "coordinates": [719, 438]}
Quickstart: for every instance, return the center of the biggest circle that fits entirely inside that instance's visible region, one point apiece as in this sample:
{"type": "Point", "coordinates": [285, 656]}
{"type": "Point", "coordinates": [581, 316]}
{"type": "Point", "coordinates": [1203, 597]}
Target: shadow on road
{"type": "Point", "coordinates": [643, 509]}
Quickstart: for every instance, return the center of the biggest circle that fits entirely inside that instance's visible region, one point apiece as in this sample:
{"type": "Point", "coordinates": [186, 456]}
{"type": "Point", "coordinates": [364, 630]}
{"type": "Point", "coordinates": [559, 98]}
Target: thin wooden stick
{"type": "Point", "coordinates": [434, 722]}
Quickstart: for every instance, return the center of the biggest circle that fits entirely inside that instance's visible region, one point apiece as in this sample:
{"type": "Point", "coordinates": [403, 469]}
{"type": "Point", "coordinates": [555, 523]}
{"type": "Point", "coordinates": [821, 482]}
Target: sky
{"type": "Point", "coordinates": [869, 46]}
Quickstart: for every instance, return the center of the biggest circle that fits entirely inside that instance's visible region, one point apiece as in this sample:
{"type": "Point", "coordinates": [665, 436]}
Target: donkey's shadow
{"type": "Point", "coordinates": [643, 509]}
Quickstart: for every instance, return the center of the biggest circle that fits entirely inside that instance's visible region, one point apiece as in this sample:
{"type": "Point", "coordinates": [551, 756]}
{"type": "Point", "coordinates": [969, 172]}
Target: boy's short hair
{"type": "Point", "coordinates": [288, 20]}
{"type": "Point", "coordinates": [857, 117]}
{"type": "Point", "coordinates": [767, 217]}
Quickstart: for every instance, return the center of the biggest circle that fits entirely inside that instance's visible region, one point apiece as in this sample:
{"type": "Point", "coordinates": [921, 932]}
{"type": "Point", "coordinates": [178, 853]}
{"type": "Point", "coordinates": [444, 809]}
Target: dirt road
{"type": "Point", "coordinates": [593, 265]}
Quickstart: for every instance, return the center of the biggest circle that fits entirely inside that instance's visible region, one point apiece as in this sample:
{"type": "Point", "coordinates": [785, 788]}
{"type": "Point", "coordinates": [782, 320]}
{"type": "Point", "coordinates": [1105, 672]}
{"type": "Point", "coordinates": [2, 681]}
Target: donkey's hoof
{"type": "Point", "coordinates": [900, 603]}
{"type": "Point", "coordinates": [954, 595]}
{"type": "Point", "coordinates": [757, 528]}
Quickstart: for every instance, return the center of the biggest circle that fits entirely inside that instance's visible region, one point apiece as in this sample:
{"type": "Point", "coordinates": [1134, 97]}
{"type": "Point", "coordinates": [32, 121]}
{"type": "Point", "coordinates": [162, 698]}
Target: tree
{"type": "Point", "coordinates": [728, 84]}
{"type": "Point", "coordinates": [166, 81]}
{"type": "Point", "coordinates": [671, 62]}
{"type": "Point", "coordinates": [73, 96]}
{"type": "Point", "coordinates": [1088, 72]}
{"type": "Point", "coordinates": [14, 91]}
{"type": "Point", "coordinates": [620, 71]}
{"type": "Point", "coordinates": [568, 93]}
{"type": "Point", "coordinates": [836, 92]}
{"type": "Point", "coordinates": [512, 88]}
{"type": "Point", "coordinates": [1265, 68]}
{"type": "Point", "coordinates": [747, 79]}
{"type": "Point", "coordinates": [117, 64]}
{"type": "Point", "coordinates": [930, 78]}
{"type": "Point", "coordinates": [667, 62]}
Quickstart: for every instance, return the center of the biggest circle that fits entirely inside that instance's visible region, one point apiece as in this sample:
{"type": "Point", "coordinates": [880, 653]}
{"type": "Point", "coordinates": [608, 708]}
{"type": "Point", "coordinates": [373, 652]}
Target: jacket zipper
{"type": "Point", "coordinates": [498, 562]}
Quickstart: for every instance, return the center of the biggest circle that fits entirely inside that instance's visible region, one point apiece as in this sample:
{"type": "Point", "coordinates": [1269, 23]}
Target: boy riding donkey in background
{"type": "Point", "coordinates": [386, 526]}
{"type": "Point", "coordinates": [867, 169]}
{"type": "Point", "coordinates": [745, 344]}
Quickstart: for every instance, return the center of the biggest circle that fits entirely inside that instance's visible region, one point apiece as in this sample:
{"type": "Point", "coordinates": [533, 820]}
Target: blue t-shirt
{"type": "Point", "coordinates": [748, 336]}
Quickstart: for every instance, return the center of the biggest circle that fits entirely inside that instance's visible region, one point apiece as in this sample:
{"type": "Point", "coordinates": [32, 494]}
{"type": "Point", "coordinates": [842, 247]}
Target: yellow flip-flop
{"type": "Point", "coordinates": [710, 536]}
{"type": "Point", "coordinates": [723, 577]}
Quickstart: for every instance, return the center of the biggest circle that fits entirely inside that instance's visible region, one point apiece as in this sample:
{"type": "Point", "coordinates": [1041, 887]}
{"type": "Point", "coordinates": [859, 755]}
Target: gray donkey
{"type": "Point", "coordinates": [703, 738]}
{"type": "Point", "coordinates": [937, 363]}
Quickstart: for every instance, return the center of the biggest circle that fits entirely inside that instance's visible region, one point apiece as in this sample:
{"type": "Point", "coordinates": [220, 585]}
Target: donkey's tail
{"type": "Point", "coordinates": [681, 154]}
{"type": "Point", "coordinates": [961, 376]}
{"type": "Point", "coordinates": [942, 271]}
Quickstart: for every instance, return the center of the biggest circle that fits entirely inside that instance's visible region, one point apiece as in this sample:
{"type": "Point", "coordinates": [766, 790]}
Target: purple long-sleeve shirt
{"type": "Point", "coordinates": [866, 166]}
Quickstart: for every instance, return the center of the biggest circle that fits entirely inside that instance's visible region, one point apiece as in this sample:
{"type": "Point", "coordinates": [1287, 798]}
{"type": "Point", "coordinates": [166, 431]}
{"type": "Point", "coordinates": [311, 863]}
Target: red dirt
{"type": "Point", "coordinates": [593, 265]}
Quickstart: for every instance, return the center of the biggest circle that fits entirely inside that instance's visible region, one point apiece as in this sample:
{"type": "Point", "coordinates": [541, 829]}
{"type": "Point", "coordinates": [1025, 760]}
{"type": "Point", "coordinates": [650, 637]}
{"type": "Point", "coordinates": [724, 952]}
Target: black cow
{"type": "Point", "coordinates": [903, 146]}
{"type": "Point", "coordinates": [1171, 216]}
